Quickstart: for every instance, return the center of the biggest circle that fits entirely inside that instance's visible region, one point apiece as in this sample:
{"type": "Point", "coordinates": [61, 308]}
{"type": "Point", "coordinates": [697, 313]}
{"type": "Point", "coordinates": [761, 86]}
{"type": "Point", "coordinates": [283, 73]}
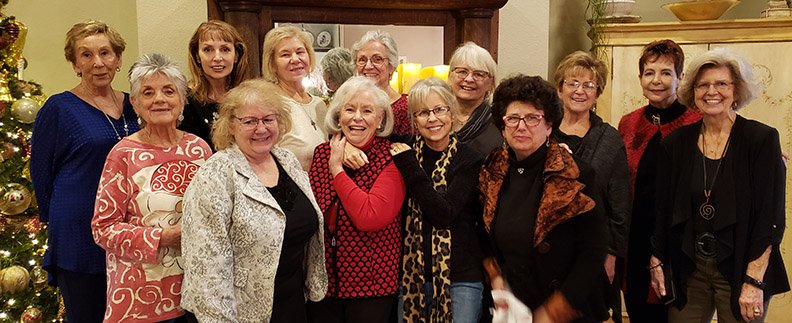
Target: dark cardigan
{"type": "Point", "coordinates": [754, 176]}
{"type": "Point", "coordinates": [603, 149]}
{"type": "Point", "coordinates": [458, 208]}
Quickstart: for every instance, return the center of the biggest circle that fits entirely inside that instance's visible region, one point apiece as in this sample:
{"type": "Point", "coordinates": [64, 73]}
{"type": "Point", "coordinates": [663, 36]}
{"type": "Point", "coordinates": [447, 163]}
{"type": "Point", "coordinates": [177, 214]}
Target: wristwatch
{"type": "Point", "coordinates": [754, 282]}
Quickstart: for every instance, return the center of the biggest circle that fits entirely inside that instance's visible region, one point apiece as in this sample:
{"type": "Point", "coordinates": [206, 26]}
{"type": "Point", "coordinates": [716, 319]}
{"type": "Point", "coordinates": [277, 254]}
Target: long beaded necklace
{"type": "Point", "coordinates": [90, 96]}
{"type": "Point", "coordinates": [707, 210]}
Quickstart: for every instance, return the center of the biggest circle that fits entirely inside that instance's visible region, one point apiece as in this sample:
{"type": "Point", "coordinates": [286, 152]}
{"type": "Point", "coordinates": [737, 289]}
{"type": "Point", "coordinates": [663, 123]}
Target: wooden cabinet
{"type": "Point", "coordinates": [766, 43]}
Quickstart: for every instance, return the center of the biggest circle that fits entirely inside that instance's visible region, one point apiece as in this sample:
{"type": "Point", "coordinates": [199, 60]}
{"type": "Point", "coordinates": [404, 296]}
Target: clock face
{"type": "Point", "coordinates": [323, 39]}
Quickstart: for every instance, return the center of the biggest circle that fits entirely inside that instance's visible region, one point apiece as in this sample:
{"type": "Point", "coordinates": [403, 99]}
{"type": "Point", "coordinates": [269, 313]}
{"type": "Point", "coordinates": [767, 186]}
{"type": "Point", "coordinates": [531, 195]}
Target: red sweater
{"type": "Point", "coordinates": [363, 253]}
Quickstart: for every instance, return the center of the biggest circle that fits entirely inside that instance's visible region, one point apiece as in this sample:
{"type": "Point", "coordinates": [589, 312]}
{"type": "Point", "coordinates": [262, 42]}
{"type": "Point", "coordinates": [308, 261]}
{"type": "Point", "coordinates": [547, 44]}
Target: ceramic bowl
{"type": "Point", "coordinates": [618, 8]}
{"type": "Point", "coordinates": [700, 10]}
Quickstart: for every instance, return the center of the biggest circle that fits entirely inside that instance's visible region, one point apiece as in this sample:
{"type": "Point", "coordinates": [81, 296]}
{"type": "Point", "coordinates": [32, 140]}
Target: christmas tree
{"type": "Point", "coordinates": [24, 293]}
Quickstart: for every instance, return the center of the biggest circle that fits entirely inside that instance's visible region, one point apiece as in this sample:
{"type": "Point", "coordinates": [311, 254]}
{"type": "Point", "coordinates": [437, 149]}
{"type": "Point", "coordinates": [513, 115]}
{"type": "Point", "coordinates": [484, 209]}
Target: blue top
{"type": "Point", "coordinates": [71, 140]}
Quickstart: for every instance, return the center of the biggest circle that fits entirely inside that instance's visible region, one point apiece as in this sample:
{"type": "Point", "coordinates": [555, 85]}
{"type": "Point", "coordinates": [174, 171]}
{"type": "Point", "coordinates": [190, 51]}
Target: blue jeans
{"type": "Point", "coordinates": [466, 301]}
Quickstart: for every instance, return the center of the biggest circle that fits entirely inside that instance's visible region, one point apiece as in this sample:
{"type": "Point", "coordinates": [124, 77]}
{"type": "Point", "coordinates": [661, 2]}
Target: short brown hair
{"type": "Point", "coordinates": [217, 30]}
{"type": "Point", "coordinates": [254, 91]}
{"type": "Point", "coordinates": [89, 28]}
{"type": "Point", "coordinates": [577, 62]}
{"type": "Point", "coordinates": [658, 48]}
{"type": "Point", "coordinates": [273, 37]}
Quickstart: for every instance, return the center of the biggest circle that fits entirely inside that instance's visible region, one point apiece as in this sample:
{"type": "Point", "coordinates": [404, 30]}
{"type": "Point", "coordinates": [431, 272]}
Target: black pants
{"type": "Point", "coordinates": [84, 295]}
{"type": "Point", "coordinates": [363, 310]}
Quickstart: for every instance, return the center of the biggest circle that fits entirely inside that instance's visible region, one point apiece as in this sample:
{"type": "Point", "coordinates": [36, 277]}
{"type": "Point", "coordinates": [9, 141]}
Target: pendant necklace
{"type": "Point", "coordinates": [707, 210]}
{"type": "Point", "coordinates": [115, 105]}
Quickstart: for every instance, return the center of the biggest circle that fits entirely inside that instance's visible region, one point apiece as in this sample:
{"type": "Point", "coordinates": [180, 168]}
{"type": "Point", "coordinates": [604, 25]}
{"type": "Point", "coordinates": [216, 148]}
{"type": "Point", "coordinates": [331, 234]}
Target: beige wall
{"type": "Point", "coordinates": [146, 25]}
{"type": "Point", "coordinates": [523, 42]}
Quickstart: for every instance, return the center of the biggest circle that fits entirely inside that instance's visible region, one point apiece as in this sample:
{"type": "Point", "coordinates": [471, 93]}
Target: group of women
{"type": "Point", "coordinates": [231, 199]}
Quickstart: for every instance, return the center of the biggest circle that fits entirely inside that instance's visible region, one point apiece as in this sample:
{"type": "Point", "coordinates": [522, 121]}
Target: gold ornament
{"type": "Point", "coordinates": [25, 110]}
{"type": "Point", "coordinates": [39, 277]}
{"type": "Point", "coordinates": [14, 199]}
{"type": "Point", "coordinates": [14, 279]}
{"type": "Point", "coordinates": [6, 151]}
{"type": "Point", "coordinates": [31, 315]}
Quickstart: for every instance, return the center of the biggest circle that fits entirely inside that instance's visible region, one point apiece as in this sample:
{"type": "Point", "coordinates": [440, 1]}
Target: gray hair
{"type": "Point", "coordinates": [351, 88]}
{"type": "Point", "coordinates": [151, 64]}
{"type": "Point", "coordinates": [382, 37]}
{"type": "Point", "coordinates": [474, 56]}
{"type": "Point", "coordinates": [745, 86]}
{"type": "Point", "coordinates": [338, 65]}
{"type": "Point", "coordinates": [421, 90]}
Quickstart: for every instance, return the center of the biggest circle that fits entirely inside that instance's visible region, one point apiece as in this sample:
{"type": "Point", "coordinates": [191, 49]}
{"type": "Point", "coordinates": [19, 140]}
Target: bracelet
{"type": "Point", "coordinates": [754, 282]}
{"type": "Point", "coordinates": [650, 267]}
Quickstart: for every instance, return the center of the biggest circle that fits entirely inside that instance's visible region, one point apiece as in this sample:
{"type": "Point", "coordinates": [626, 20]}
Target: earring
{"type": "Point", "coordinates": [180, 118]}
{"type": "Point", "coordinates": [79, 74]}
{"type": "Point", "coordinates": [547, 143]}
{"type": "Point", "coordinates": [118, 69]}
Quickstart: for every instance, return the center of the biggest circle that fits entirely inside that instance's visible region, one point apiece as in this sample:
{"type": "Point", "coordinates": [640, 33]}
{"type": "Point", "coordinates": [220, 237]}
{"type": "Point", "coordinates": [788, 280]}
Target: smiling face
{"type": "Point", "coordinates": [435, 129]}
{"type": "Point", "coordinates": [359, 118]}
{"type": "Point", "coordinates": [469, 85]}
{"type": "Point", "coordinates": [217, 58]}
{"type": "Point", "coordinates": [379, 73]}
{"type": "Point", "coordinates": [714, 91]}
{"type": "Point", "coordinates": [95, 61]}
{"type": "Point", "coordinates": [255, 142]}
{"type": "Point", "coordinates": [578, 99]}
{"type": "Point", "coordinates": [660, 81]}
{"type": "Point", "coordinates": [524, 139]}
{"type": "Point", "coordinates": [158, 103]}
{"type": "Point", "coordinates": [291, 60]}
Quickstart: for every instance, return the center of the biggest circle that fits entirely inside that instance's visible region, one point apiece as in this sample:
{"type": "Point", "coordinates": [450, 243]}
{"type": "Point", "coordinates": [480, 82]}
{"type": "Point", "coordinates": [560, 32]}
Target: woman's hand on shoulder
{"type": "Point", "coordinates": [171, 237]}
{"type": "Point", "coordinates": [354, 158]}
{"type": "Point", "coordinates": [335, 163]}
{"type": "Point", "coordinates": [398, 148]}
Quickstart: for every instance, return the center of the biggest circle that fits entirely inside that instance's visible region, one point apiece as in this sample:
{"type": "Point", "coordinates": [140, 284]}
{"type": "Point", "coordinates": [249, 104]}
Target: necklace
{"type": "Point", "coordinates": [707, 210]}
{"type": "Point", "coordinates": [91, 95]}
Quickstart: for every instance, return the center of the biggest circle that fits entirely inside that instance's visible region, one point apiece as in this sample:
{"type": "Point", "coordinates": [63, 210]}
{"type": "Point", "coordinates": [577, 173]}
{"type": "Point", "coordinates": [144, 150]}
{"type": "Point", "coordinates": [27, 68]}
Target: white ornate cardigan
{"type": "Point", "coordinates": [232, 237]}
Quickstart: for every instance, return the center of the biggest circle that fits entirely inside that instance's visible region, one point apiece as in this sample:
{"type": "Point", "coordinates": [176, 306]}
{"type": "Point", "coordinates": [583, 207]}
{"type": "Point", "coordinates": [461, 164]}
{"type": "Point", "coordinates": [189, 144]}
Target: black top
{"type": "Point", "coordinates": [198, 119]}
{"type": "Point", "coordinates": [642, 224]}
{"type": "Point", "coordinates": [750, 217]}
{"type": "Point", "coordinates": [479, 132]}
{"type": "Point", "coordinates": [301, 223]}
{"type": "Point", "coordinates": [515, 220]}
{"type": "Point", "coordinates": [458, 208]}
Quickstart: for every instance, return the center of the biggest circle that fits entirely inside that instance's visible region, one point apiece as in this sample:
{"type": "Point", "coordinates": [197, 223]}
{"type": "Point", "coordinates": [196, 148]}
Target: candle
{"type": "Point", "coordinates": [411, 73]}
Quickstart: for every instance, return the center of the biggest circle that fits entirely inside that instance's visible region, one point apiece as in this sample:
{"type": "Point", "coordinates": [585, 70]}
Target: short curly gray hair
{"type": "Point", "coordinates": [745, 86]}
{"type": "Point", "coordinates": [382, 37]}
{"type": "Point", "coordinates": [337, 66]}
{"type": "Point", "coordinates": [352, 87]}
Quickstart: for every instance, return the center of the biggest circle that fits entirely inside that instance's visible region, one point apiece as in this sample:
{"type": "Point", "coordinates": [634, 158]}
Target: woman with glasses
{"type": "Point", "coordinates": [472, 78]}
{"type": "Point", "coordinates": [659, 72]}
{"type": "Point", "coordinates": [545, 233]}
{"type": "Point", "coordinates": [579, 80]}
{"type": "Point", "coordinates": [442, 255]}
{"type": "Point", "coordinates": [376, 57]}
{"type": "Point", "coordinates": [720, 202]}
{"type": "Point", "coordinates": [288, 58]}
{"type": "Point", "coordinates": [361, 208]}
{"type": "Point", "coordinates": [253, 234]}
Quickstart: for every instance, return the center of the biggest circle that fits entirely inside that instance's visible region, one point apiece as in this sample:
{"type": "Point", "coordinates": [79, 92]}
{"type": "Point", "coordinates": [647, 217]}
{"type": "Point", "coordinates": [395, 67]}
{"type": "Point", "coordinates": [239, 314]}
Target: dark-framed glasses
{"type": "Point", "coordinates": [376, 61]}
{"type": "Point", "coordinates": [588, 86]}
{"type": "Point", "coordinates": [438, 111]}
{"type": "Point", "coordinates": [531, 120]}
{"type": "Point", "coordinates": [249, 123]}
{"type": "Point", "coordinates": [462, 73]}
{"type": "Point", "coordinates": [720, 86]}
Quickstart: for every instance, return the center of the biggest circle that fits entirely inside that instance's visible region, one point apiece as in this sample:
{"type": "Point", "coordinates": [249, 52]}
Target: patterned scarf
{"type": "Point", "coordinates": [413, 265]}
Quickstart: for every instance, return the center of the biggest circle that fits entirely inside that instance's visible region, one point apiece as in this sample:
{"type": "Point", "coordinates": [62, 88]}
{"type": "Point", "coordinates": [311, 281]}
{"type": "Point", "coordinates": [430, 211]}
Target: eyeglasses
{"type": "Point", "coordinates": [720, 86]}
{"type": "Point", "coordinates": [438, 111]}
{"type": "Point", "coordinates": [587, 86]}
{"type": "Point", "coordinates": [531, 120]}
{"type": "Point", "coordinates": [376, 61]}
{"type": "Point", "coordinates": [462, 73]}
{"type": "Point", "coordinates": [250, 123]}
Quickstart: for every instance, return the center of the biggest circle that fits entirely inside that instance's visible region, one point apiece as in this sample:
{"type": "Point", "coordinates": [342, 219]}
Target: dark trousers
{"type": "Point", "coordinates": [364, 310]}
{"type": "Point", "coordinates": [84, 295]}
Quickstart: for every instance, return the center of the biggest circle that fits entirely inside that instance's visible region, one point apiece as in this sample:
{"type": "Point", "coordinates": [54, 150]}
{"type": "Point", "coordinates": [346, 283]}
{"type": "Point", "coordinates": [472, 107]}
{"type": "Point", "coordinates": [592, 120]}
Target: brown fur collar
{"type": "Point", "coordinates": [561, 200]}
